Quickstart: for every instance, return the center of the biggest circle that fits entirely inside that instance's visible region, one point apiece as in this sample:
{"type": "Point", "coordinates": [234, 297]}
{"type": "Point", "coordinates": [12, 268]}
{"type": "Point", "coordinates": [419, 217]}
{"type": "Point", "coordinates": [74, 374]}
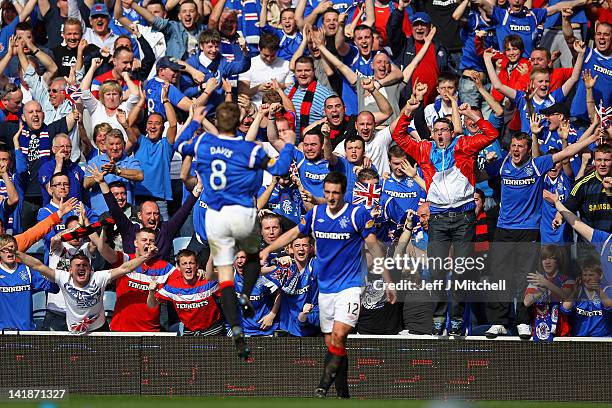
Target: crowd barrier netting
{"type": "Point", "coordinates": [380, 367]}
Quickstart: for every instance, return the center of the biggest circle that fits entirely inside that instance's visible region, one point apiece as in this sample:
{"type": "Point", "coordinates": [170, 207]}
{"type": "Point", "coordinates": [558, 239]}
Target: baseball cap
{"type": "Point", "coordinates": [169, 62]}
{"type": "Point", "coordinates": [99, 9]}
{"type": "Point", "coordinates": [556, 108]}
{"type": "Point", "coordinates": [422, 17]}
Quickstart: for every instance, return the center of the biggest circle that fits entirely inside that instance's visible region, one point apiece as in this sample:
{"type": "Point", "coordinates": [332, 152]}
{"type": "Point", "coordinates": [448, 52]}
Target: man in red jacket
{"type": "Point", "coordinates": [448, 165]}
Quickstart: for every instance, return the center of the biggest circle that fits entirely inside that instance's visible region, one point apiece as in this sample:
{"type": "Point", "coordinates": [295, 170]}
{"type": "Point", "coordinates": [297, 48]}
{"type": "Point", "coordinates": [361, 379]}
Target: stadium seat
{"type": "Point", "coordinates": [180, 243]}
{"type": "Point", "coordinates": [110, 297]}
{"type": "Point", "coordinates": [39, 308]}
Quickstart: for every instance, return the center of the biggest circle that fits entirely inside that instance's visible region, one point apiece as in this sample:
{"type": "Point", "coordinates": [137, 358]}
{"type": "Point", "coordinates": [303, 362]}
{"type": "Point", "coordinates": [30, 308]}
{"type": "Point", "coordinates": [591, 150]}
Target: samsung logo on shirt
{"type": "Point", "coordinates": [332, 235]}
{"type": "Point", "coordinates": [519, 28]}
{"type": "Point", "coordinates": [522, 182]}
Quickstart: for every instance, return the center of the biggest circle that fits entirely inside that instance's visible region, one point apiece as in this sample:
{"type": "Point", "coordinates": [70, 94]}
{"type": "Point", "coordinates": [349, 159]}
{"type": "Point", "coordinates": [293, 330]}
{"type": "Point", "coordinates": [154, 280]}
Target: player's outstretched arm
{"type": "Point", "coordinates": [130, 265]}
{"type": "Point", "coordinates": [282, 241]}
{"type": "Point", "coordinates": [35, 264]}
{"type": "Point", "coordinates": [280, 166]}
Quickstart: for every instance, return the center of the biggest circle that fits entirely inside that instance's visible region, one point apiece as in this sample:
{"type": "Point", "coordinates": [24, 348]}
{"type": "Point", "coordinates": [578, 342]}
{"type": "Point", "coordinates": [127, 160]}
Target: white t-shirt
{"type": "Point", "coordinates": [84, 306]}
{"type": "Point", "coordinates": [377, 149]}
{"type": "Point", "coordinates": [61, 260]}
{"type": "Point", "coordinates": [260, 73]}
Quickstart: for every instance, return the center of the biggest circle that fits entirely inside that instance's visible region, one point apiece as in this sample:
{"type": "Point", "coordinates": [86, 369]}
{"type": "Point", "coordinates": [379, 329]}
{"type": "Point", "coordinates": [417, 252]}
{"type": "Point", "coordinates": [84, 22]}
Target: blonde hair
{"type": "Point", "coordinates": [109, 86]}
{"type": "Point", "coordinates": [6, 239]}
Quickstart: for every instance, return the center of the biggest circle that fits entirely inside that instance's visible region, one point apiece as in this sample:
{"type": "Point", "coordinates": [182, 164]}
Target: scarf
{"type": "Point", "coordinates": [35, 145]}
{"type": "Point", "coordinates": [481, 238]}
{"type": "Point", "coordinates": [306, 103]}
{"type": "Point", "coordinates": [250, 21]}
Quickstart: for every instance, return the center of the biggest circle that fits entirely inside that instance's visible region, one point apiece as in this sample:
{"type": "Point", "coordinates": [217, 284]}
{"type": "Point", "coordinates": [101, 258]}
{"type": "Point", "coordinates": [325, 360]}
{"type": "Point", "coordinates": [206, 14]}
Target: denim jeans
{"type": "Point", "coordinates": [446, 231]}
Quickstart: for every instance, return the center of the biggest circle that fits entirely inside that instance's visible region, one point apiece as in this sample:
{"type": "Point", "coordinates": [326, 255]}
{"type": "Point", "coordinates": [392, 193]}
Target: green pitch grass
{"type": "Point", "coordinates": [235, 402]}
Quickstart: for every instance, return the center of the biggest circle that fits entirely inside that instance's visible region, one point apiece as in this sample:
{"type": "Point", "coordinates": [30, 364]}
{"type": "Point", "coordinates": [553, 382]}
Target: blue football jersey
{"type": "Point", "coordinates": [524, 24]}
{"type": "Point", "coordinates": [562, 185]}
{"type": "Point", "coordinates": [521, 192]}
{"type": "Point", "coordinates": [285, 201]}
{"type": "Point", "coordinates": [603, 243]}
{"type": "Point", "coordinates": [298, 288]}
{"type": "Point", "coordinates": [262, 297]}
{"type": "Point", "coordinates": [601, 66]}
{"type": "Point", "coordinates": [339, 238]}
{"type": "Point", "coordinates": [312, 173]}
{"type": "Point", "coordinates": [16, 288]}
{"type": "Point", "coordinates": [153, 92]}
{"type": "Point", "coordinates": [231, 168]}
{"type": "Point", "coordinates": [589, 317]}
{"type": "Point", "coordinates": [408, 194]}
{"type": "Point", "coordinates": [555, 96]}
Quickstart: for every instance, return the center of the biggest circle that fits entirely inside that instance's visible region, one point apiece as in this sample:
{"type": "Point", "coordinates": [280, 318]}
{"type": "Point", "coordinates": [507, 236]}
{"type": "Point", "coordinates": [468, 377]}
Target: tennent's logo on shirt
{"type": "Point", "coordinates": [332, 235]}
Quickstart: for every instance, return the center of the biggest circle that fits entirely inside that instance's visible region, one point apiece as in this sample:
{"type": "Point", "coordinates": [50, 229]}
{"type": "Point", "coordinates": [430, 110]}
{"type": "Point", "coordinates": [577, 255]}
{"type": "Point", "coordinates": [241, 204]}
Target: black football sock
{"type": "Point", "coordinates": [342, 379]}
{"type": "Point", "coordinates": [229, 303]}
{"type": "Point", "coordinates": [251, 272]}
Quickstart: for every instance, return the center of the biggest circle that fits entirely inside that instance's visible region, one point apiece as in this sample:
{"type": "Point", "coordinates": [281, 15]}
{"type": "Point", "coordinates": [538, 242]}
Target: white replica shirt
{"type": "Point", "coordinates": [261, 73]}
{"type": "Point", "coordinates": [377, 149]}
{"type": "Point", "coordinates": [84, 306]}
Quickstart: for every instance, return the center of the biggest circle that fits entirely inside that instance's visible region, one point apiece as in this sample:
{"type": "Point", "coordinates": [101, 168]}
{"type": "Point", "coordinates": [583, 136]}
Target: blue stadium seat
{"type": "Point", "coordinates": [110, 297]}
{"type": "Point", "coordinates": [180, 243]}
{"type": "Point", "coordinates": [39, 308]}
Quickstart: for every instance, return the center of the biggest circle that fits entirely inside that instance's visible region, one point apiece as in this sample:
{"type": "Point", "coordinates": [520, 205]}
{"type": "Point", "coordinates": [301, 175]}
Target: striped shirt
{"type": "Point", "coordinates": [194, 303]}
{"type": "Point", "coordinates": [131, 311]}
{"type": "Point", "coordinates": [588, 197]}
{"type": "Point", "coordinates": [318, 103]}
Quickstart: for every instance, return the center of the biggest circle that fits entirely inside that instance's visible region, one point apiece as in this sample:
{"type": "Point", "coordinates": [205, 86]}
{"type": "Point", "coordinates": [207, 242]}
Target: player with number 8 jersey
{"type": "Point", "coordinates": [231, 170]}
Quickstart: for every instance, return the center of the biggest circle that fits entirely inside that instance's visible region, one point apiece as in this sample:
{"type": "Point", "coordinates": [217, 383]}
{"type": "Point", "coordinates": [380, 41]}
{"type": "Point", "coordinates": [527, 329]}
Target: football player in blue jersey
{"type": "Point", "coordinates": [231, 170]}
{"type": "Point", "coordinates": [340, 230]}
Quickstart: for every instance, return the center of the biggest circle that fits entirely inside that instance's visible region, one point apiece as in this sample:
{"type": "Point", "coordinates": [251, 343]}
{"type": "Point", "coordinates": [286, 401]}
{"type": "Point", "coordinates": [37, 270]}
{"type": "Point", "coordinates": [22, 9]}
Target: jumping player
{"type": "Point", "coordinates": [231, 170]}
{"type": "Point", "coordinates": [339, 229]}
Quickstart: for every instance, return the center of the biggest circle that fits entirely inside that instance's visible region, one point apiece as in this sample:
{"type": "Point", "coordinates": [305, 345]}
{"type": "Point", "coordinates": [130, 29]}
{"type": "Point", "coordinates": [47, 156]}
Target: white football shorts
{"type": "Point", "coordinates": [231, 229]}
{"type": "Point", "coordinates": [343, 307]}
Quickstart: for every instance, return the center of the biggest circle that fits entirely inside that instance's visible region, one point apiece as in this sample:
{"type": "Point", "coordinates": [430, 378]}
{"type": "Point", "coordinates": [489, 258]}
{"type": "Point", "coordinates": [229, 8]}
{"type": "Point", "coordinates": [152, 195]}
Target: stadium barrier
{"type": "Point", "coordinates": [380, 367]}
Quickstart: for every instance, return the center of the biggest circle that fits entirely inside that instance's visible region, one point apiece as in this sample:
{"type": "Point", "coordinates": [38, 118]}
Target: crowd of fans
{"type": "Point", "coordinates": [462, 124]}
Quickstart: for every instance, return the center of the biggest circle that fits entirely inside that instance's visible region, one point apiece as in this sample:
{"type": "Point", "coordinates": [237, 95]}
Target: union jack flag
{"type": "Point", "coordinates": [605, 115]}
{"type": "Point", "coordinates": [83, 325]}
{"type": "Point", "coordinates": [73, 92]}
{"type": "Point", "coordinates": [366, 194]}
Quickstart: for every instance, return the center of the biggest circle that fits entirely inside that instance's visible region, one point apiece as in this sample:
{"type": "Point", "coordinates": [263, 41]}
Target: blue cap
{"type": "Point", "coordinates": [421, 17]}
{"type": "Point", "coordinates": [99, 9]}
{"type": "Point", "coordinates": [169, 62]}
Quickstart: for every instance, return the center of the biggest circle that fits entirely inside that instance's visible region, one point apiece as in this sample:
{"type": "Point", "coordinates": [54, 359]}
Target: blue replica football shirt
{"type": "Point", "coordinates": [311, 173]}
{"type": "Point", "coordinates": [521, 191]}
{"type": "Point", "coordinates": [16, 288]}
{"type": "Point", "coordinates": [339, 239]}
{"type": "Point", "coordinates": [562, 185]}
{"type": "Point", "coordinates": [154, 99]}
{"type": "Point", "coordinates": [406, 192]}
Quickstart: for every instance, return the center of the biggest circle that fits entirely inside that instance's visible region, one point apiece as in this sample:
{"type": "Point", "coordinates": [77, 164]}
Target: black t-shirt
{"type": "Point", "coordinates": [64, 58]}
{"type": "Point", "coordinates": [54, 26]}
{"type": "Point", "coordinates": [441, 12]}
